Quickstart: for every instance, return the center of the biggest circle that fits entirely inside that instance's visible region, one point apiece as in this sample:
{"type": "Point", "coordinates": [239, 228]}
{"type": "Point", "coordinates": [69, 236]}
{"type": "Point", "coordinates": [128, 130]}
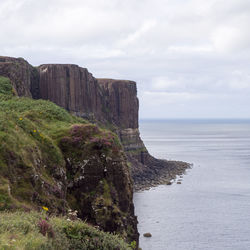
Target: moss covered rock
{"type": "Point", "coordinates": [99, 183]}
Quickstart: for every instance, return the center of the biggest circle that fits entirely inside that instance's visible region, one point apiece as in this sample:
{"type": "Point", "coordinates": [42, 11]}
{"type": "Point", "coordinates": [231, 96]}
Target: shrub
{"type": "Point", "coordinates": [45, 228]}
{"type": "Point", "coordinates": [5, 86]}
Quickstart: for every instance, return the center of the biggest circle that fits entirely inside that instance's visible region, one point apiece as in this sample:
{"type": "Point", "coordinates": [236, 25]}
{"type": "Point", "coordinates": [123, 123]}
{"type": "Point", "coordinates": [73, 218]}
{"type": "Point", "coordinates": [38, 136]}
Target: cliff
{"type": "Point", "coordinates": [49, 157]}
{"type": "Point", "coordinates": [23, 76]}
{"type": "Point", "coordinates": [72, 88]}
{"type": "Point", "coordinates": [121, 102]}
{"type": "Point", "coordinates": [53, 159]}
{"type": "Point", "coordinates": [108, 102]}
{"type": "Point", "coordinates": [102, 100]}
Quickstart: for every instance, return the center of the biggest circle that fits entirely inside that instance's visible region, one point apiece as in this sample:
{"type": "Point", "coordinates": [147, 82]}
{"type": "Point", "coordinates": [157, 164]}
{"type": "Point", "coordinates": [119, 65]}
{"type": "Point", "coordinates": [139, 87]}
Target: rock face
{"type": "Point", "coordinates": [23, 76]}
{"type": "Point", "coordinates": [72, 88]}
{"type": "Point", "coordinates": [75, 89]}
{"type": "Point", "coordinates": [100, 185]}
{"type": "Point", "coordinates": [121, 102]}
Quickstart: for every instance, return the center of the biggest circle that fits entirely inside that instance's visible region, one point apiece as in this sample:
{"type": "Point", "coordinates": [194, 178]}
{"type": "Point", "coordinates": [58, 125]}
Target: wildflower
{"type": "Point", "coordinates": [34, 131]}
{"type": "Point", "coordinates": [46, 229]}
{"type": "Point", "coordinates": [45, 208]}
{"type": "Point", "coordinates": [20, 119]}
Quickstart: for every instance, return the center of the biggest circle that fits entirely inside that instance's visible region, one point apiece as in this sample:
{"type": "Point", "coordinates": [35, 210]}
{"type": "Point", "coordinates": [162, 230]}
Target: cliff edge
{"type": "Point", "coordinates": [107, 102]}
{"type": "Point", "coordinates": [50, 158]}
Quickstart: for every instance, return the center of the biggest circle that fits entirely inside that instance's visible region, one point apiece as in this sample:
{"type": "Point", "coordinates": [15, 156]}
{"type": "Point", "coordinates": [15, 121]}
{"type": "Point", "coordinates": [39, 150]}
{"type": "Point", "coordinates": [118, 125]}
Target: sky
{"type": "Point", "coordinates": [190, 58]}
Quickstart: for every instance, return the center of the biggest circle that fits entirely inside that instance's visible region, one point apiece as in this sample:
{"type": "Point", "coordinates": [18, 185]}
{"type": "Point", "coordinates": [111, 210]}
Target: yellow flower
{"type": "Point", "coordinates": [20, 118]}
{"type": "Point", "coordinates": [34, 131]}
{"type": "Point", "coordinates": [45, 208]}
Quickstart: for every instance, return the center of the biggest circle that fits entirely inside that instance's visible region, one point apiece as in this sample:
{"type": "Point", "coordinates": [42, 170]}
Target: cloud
{"type": "Point", "coordinates": [192, 54]}
{"type": "Point", "coordinates": [231, 38]}
{"type": "Point", "coordinates": [133, 37]}
{"type": "Point", "coordinates": [190, 49]}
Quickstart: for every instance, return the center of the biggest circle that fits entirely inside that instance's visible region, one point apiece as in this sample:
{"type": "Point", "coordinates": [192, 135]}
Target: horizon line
{"type": "Point", "coordinates": [195, 118]}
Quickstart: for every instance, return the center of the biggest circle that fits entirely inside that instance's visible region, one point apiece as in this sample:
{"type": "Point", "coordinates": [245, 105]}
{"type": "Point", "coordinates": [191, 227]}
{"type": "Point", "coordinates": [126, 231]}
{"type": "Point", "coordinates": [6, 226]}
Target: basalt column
{"type": "Point", "coordinates": [73, 88]}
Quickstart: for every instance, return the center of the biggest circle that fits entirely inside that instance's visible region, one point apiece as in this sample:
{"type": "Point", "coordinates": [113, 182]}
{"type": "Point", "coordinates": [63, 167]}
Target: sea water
{"type": "Point", "coordinates": [211, 208]}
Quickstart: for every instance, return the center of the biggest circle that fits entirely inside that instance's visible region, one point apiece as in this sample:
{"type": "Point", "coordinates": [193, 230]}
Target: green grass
{"type": "Point", "coordinates": [21, 231]}
{"type": "Point", "coordinates": [36, 136]}
{"type": "Point", "coordinates": [29, 134]}
{"type": "Point", "coordinates": [6, 90]}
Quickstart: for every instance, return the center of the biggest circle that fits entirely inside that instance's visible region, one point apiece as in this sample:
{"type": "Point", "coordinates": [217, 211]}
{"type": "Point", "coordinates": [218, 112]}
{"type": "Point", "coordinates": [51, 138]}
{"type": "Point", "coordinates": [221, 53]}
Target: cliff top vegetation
{"type": "Point", "coordinates": [35, 230]}
{"type": "Point", "coordinates": [35, 138]}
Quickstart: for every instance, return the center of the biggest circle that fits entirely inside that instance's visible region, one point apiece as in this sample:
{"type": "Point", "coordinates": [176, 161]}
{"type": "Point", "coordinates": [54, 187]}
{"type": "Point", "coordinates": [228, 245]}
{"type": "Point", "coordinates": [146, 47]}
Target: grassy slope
{"type": "Point", "coordinates": [34, 230]}
{"type": "Point", "coordinates": [29, 134]}
{"type": "Point", "coordinates": [29, 131]}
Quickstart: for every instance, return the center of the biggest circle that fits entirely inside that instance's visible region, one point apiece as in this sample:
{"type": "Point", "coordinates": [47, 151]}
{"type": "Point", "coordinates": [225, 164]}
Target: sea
{"type": "Point", "coordinates": [210, 209]}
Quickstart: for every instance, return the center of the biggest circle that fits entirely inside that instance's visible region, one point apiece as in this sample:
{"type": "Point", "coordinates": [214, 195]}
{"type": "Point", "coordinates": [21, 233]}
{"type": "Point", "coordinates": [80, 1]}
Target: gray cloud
{"type": "Point", "coordinates": [190, 58]}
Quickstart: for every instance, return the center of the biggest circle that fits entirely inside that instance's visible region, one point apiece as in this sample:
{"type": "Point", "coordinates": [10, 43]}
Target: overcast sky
{"type": "Point", "coordinates": [190, 58]}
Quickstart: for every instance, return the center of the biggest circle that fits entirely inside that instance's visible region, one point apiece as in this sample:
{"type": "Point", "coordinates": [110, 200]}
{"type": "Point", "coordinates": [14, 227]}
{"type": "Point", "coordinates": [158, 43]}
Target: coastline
{"type": "Point", "coordinates": [163, 176]}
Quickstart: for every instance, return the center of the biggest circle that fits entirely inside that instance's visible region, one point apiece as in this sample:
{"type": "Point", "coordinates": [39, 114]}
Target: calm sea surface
{"type": "Point", "coordinates": [211, 208]}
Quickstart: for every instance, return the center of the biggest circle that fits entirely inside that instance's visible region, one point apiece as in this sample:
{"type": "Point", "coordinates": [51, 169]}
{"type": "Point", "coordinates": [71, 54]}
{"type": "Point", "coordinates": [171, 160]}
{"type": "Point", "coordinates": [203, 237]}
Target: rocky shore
{"type": "Point", "coordinates": [162, 176]}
